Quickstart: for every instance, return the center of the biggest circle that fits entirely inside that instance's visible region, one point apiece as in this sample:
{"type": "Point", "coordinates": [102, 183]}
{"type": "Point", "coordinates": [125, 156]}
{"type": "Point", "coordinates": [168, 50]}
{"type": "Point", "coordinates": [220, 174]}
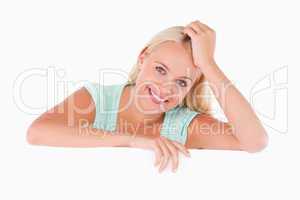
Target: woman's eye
{"type": "Point", "coordinates": [160, 70]}
{"type": "Point", "coordinates": [182, 83]}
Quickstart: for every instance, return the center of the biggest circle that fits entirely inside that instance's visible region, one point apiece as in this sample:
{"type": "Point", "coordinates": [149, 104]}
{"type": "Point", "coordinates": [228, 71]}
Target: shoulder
{"type": "Point", "coordinates": [106, 100]}
{"type": "Point", "coordinates": [182, 114]}
{"type": "Point", "coordinates": [207, 132]}
{"type": "Point", "coordinates": [206, 121]}
{"type": "Point", "coordinates": [176, 123]}
{"type": "Point", "coordinates": [101, 92]}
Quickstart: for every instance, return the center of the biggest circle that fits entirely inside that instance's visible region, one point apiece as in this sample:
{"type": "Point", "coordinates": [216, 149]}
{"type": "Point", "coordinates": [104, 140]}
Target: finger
{"type": "Point", "coordinates": [158, 154]}
{"type": "Point", "coordinates": [204, 26]}
{"type": "Point", "coordinates": [182, 148]}
{"type": "Point", "coordinates": [174, 153]}
{"type": "Point", "coordinates": [196, 26]}
{"type": "Point", "coordinates": [189, 31]}
{"type": "Point", "coordinates": [165, 156]}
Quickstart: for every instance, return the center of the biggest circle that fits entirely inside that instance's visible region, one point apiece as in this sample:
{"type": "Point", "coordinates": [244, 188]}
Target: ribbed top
{"type": "Point", "coordinates": [107, 100]}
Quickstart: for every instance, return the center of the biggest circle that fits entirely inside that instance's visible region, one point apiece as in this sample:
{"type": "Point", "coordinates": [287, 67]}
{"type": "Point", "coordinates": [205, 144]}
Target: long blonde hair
{"type": "Point", "coordinates": [198, 98]}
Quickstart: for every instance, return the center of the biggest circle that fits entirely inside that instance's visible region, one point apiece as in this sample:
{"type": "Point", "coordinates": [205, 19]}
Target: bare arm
{"type": "Point", "coordinates": [243, 122]}
{"type": "Point", "coordinates": [247, 132]}
{"type": "Point", "coordinates": [68, 124]}
{"type": "Point", "coordinates": [243, 131]}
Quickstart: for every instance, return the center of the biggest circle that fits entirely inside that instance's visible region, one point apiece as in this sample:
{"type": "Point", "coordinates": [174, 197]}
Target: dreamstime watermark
{"type": "Point", "coordinates": [58, 88]}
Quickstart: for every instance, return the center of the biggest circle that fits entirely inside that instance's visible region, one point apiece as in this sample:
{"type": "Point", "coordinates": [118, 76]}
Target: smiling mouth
{"type": "Point", "coordinates": [155, 97]}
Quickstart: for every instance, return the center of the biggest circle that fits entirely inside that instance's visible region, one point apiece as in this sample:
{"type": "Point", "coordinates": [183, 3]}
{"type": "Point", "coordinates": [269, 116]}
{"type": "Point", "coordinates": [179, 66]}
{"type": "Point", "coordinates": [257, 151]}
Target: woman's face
{"type": "Point", "coordinates": [166, 75]}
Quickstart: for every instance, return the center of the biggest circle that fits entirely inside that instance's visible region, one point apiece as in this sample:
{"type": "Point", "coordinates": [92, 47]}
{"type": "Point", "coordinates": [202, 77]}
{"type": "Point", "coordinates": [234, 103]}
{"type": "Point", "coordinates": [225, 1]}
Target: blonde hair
{"type": "Point", "coordinates": [198, 98]}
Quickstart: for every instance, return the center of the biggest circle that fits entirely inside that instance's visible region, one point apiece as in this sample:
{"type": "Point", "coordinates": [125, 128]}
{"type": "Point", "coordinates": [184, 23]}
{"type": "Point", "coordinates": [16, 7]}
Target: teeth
{"type": "Point", "coordinates": [156, 97]}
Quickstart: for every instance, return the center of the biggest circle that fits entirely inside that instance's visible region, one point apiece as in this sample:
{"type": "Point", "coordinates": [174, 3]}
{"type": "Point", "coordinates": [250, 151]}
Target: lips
{"type": "Point", "coordinates": [155, 97]}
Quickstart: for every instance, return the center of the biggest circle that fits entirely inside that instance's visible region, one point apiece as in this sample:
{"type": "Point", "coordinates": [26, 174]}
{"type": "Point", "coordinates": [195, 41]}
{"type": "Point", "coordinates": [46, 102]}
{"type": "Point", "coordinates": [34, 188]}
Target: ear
{"type": "Point", "coordinates": [142, 55]}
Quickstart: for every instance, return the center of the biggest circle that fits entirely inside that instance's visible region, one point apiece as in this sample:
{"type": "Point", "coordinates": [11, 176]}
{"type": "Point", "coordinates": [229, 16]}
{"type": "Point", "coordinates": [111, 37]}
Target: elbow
{"type": "Point", "coordinates": [32, 136]}
{"type": "Point", "coordinates": [258, 146]}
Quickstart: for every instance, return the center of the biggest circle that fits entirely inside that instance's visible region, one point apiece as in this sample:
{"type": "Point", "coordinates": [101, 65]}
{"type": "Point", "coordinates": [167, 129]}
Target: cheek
{"type": "Point", "coordinates": [178, 97]}
{"type": "Point", "coordinates": [142, 74]}
{"type": "Point", "coordinates": [150, 71]}
{"type": "Point", "coordinates": [182, 95]}
{"type": "Point", "coordinates": [147, 74]}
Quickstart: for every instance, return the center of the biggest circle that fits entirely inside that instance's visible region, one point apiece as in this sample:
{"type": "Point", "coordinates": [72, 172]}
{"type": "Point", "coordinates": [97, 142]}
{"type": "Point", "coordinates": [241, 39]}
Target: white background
{"type": "Point", "coordinates": [256, 41]}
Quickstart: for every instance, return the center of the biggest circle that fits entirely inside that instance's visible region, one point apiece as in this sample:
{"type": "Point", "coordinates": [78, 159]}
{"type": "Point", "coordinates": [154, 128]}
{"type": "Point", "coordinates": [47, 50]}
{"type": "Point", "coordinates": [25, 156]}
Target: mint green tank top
{"type": "Point", "coordinates": [107, 99]}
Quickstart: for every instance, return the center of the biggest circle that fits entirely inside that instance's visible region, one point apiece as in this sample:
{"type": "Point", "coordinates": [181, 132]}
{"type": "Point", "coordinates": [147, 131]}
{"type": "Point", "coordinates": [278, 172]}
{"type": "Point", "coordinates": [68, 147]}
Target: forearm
{"type": "Point", "coordinates": [246, 125]}
{"type": "Point", "coordinates": [55, 134]}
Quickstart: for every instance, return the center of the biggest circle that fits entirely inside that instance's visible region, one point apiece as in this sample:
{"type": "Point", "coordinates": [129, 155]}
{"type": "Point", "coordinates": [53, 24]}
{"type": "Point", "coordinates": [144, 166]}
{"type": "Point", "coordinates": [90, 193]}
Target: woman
{"type": "Point", "coordinates": [163, 103]}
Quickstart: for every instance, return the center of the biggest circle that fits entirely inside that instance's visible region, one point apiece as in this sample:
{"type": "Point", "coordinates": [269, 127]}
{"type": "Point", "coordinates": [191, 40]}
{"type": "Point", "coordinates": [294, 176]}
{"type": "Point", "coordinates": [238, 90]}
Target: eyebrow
{"type": "Point", "coordinates": [169, 70]}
